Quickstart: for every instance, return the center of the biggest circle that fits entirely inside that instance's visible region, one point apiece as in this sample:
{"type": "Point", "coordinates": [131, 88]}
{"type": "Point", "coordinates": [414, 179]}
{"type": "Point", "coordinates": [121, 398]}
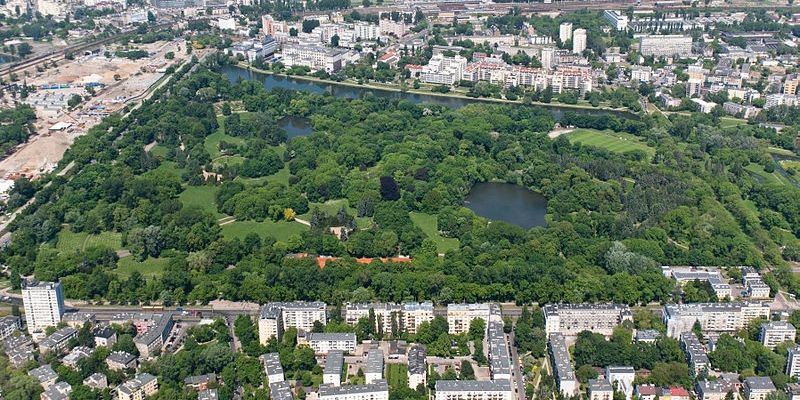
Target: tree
{"type": "Point", "coordinates": [467, 373]}
{"type": "Point", "coordinates": [477, 329]}
{"type": "Point", "coordinates": [74, 100]}
{"type": "Point", "coordinates": [335, 40]}
{"type": "Point", "coordinates": [389, 189]}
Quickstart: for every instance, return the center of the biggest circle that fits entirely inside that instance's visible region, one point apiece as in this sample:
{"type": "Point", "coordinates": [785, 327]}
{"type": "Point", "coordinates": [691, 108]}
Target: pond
{"type": "Point", "coordinates": [234, 73]}
{"type": "Point", "coordinates": [296, 126]}
{"type": "Point", "coordinates": [507, 202]}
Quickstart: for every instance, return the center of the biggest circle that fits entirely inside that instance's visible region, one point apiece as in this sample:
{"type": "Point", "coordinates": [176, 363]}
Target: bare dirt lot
{"type": "Point", "coordinates": [122, 81]}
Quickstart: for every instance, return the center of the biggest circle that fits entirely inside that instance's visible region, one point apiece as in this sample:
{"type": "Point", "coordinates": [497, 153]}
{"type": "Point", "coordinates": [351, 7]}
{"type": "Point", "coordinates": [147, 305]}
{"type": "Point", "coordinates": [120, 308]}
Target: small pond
{"type": "Point", "coordinates": [507, 202]}
{"type": "Point", "coordinates": [296, 126]}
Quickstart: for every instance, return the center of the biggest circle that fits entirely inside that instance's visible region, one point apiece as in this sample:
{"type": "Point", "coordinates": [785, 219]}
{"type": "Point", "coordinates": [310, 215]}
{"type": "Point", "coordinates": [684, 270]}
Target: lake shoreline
{"type": "Point", "coordinates": [394, 88]}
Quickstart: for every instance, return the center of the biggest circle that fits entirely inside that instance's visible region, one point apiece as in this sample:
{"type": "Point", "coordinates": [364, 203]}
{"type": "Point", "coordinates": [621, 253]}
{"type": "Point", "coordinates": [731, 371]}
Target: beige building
{"type": "Point", "coordinates": [571, 319]}
{"type": "Point", "coordinates": [138, 388]}
{"type": "Point", "coordinates": [774, 333]}
{"type": "Point", "coordinates": [713, 317]}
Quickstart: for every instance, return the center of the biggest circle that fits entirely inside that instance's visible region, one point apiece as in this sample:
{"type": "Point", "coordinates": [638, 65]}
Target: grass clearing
{"type": "Point", "coordinates": [791, 165]}
{"type": "Point", "coordinates": [280, 230]}
{"type": "Point", "coordinates": [727, 122]}
{"type": "Point", "coordinates": [618, 142]}
{"type": "Point", "coordinates": [430, 227]}
{"type": "Point", "coordinates": [159, 151]}
{"type": "Point", "coordinates": [331, 207]}
{"type": "Point", "coordinates": [151, 267]}
{"type": "Point", "coordinates": [396, 375]}
{"type": "Point", "coordinates": [211, 142]}
{"type": "Point", "coordinates": [783, 152]}
{"type": "Point", "coordinates": [202, 197]}
{"type": "Point", "coordinates": [769, 178]}
{"type": "Point", "coordinates": [69, 241]}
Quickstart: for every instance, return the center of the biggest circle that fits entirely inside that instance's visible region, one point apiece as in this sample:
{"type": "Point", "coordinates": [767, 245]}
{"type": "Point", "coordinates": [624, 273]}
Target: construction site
{"type": "Point", "coordinates": [105, 84]}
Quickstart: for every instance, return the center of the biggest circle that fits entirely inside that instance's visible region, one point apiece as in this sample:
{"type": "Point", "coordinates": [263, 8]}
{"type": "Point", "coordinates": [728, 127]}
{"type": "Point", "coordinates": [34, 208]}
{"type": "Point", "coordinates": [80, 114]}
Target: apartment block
{"type": "Point", "coordinates": [274, 318]}
{"type": "Point", "coordinates": [8, 325]}
{"type": "Point", "coordinates": [618, 20]}
{"type": "Point", "coordinates": [755, 286]}
{"type": "Point", "coordinates": [45, 375]}
{"type": "Point", "coordinates": [280, 391]}
{"type": "Point", "coordinates": [76, 354]}
{"type": "Point", "coordinates": [378, 390]}
{"type": "Point", "coordinates": [374, 369]}
{"type": "Point", "coordinates": [44, 305]}
{"type": "Point", "coordinates": [59, 391]}
{"type": "Point", "coordinates": [138, 388]}
{"type": "Point", "coordinates": [57, 342]}
{"type": "Point", "coordinates": [776, 332]}
{"type": "Point", "coordinates": [562, 366]}
{"type": "Point", "coordinates": [391, 318]}
{"type": "Point", "coordinates": [571, 319]}
{"type": "Point", "coordinates": [758, 387]}
{"type": "Point", "coordinates": [623, 376]}
{"type": "Point", "coordinates": [696, 353]}
{"type": "Point", "coordinates": [709, 390]}
{"type": "Point", "coordinates": [793, 362]}
{"type": "Point", "coordinates": [684, 275]}
{"type": "Point", "coordinates": [443, 70]}
{"type": "Point", "coordinates": [272, 367]}
{"type": "Point", "coordinates": [417, 367]}
{"type": "Point", "coordinates": [499, 357]}
{"type": "Point", "coordinates": [474, 390]}
{"type": "Point", "coordinates": [713, 317]}
{"type": "Point", "coordinates": [151, 341]}
{"type": "Point", "coordinates": [565, 31]}
{"type": "Point", "coordinates": [665, 45]}
{"type": "Point", "coordinates": [119, 360]}
{"type": "Point", "coordinates": [459, 316]}
{"type": "Point", "coordinates": [600, 389]}
{"type": "Point", "coordinates": [332, 373]}
{"type": "Point", "coordinates": [315, 57]}
{"type": "Point", "coordinates": [578, 41]}
{"type": "Point", "coordinates": [323, 343]}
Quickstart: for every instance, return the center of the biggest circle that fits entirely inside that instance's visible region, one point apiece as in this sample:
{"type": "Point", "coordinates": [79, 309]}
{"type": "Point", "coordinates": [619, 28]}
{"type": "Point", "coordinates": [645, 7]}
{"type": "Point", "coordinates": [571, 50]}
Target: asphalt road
{"type": "Point", "coordinates": [516, 371]}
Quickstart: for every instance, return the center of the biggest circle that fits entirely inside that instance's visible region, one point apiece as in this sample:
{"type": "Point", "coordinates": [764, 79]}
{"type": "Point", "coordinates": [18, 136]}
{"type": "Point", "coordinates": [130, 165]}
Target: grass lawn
{"type": "Point", "coordinates": [71, 241]}
{"type": "Point", "coordinates": [279, 230]}
{"type": "Point", "coordinates": [331, 207]}
{"type": "Point", "coordinates": [159, 151]}
{"type": "Point", "coordinates": [617, 142]}
{"type": "Point", "coordinates": [783, 152]}
{"type": "Point", "coordinates": [727, 122]}
{"type": "Point", "coordinates": [151, 267]}
{"type": "Point", "coordinates": [202, 197]}
{"type": "Point", "coordinates": [396, 375]}
{"type": "Point", "coordinates": [769, 178]}
{"type": "Point", "coordinates": [429, 226]}
{"type": "Point", "coordinates": [169, 166]}
{"type": "Point", "coordinates": [230, 160]}
{"type": "Point", "coordinates": [212, 141]}
{"type": "Point", "coordinates": [791, 164]}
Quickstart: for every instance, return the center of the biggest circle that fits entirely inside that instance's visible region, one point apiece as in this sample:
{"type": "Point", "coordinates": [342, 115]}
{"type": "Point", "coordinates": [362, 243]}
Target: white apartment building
{"type": "Point", "coordinates": [315, 57]}
{"type": "Point", "coordinates": [665, 45]}
{"type": "Point", "coordinates": [474, 390]}
{"type": "Point", "coordinates": [684, 275]}
{"type": "Point", "coordinates": [443, 70]}
{"type": "Point", "coordinates": [563, 371]}
{"type": "Point", "coordinates": [459, 316]}
{"type": "Point", "coordinates": [641, 73]}
{"type": "Point", "coordinates": [272, 367]}
{"type": "Point", "coordinates": [55, 8]}
{"type": "Point", "coordinates": [274, 318]}
{"type": "Point", "coordinates": [57, 341]}
{"type": "Point", "coordinates": [389, 27]}
{"type": "Point", "coordinates": [571, 319]}
{"type": "Point", "coordinates": [366, 31]}
{"type": "Point", "coordinates": [756, 288]}
{"type": "Point", "coordinates": [565, 31]}
{"type": "Point", "coordinates": [8, 325]}
{"type": "Point", "coordinates": [579, 41]}
{"type": "Point", "coordinates": [624, 377]}
{"type": "Point", "coordinates": [758, 387]}
{"type": "Point", "coordinates": [600, 389]}
{"type": "Point", "coordinates": [322, 343]}
{"type": "Point", "coordinates": [417, 367]}
{"type": "Point", "coordinates": [414, 314]}
{"type": "Point", "coordinates": [332, 373]}
{"type": "Point", "coordinates": [709, 390]}
{"type": "Point", "coordinates": [374, 391]}
{"type": "Point", "coordinates": [499, 355]}
{"type": "Point", "coordinates": [374, 369]}
{"type": "Point", "coordinates": [390, 317]}
{"type": "Point", "coordinates": [548, 57]}
{"type": "Point", "coordinates": [138, 388]}
{"type": "Point", "coordinates": [774, 333]}
{"type": "Point", "coordinates": [618, 20]}
{"type": "Point", "coordinates": [226, 24]}
{"type": "Point", "coordinates": [44, 305]}
{"type": "Point", "coordinates": [713, 317]}
{"type": "Point", "coordinates": [793, 362]}
{"type": "Point", "coordinates": [696, 353]}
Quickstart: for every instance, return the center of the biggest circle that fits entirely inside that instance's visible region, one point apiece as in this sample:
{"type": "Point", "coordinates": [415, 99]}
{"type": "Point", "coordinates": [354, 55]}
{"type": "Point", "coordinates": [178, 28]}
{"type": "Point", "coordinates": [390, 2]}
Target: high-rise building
{"type": "Point", "coordinates": [793, 362]}
{"type": "Point", "coordinates": [44, 305]}
{"type": "Point", "coordinates": [774, 333]}
{"type": "Point", "coordinates": [579, 41]}
{"type": "Point", "coordinates": [565, 31]}
{"type": "Point", "coordinates": [548, 57]}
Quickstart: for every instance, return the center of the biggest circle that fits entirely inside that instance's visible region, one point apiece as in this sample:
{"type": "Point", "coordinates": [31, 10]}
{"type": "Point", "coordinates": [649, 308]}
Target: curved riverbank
{"type": "Point", "coordinates": [558, 107]}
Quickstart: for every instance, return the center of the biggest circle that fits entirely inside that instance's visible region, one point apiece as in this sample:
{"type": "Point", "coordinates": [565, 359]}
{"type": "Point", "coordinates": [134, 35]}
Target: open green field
{"type": "Point", "coordinates": [727, 122]}
{"type": "Point", "coordinates": [617, 142]}
{"type": "Point", "coordinates": [769, 178]}
{"type": "Point", "coordinates": [170, 167]}
{"type": "Point", "coordinates": [71, 241]}
{"type": "Point", "coordinates": [396, 375]}
{"type": "Point", "coordinates": [430, 227]}
{"type": "Point", "coordinates": [230, 160]}
{"type": "Point", "coordinates": [202, 197]}
{"type": "Point", "coordinates": [151, 267]}
{"type": "Point", "coordinates": [280, 230]}
{"type": "Point", "coordinates": [159, 151]}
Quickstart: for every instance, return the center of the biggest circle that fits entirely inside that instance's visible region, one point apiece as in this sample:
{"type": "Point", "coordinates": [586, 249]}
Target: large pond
{"type": "Point", "coordinates": [507, 202]}
{"type": "Point", "coordinates": [296, 126]}
{"type": "Point", "coordinates": [234, 73]}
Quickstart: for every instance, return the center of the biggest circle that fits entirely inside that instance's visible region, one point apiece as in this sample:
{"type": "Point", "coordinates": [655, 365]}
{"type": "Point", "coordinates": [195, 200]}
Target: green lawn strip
{"type": "Point", "coordinates": [280, 230]}
{"type": "Point", "coordinates": [396, 375]}
{"type": "Point", "coordinates": [618, 142]}
{"type": "Point", "coordinates": [428, 224]}
{"type": "Point", "coordinates": [727, 122]}
{"type": "Point", "coordinates": [151, 267]}
{"type": "Point", "coordinates": [769, 178]}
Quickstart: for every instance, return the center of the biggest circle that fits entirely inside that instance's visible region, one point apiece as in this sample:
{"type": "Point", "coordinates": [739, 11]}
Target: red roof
{"type": "Point", "coordinates": [678, 391]}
